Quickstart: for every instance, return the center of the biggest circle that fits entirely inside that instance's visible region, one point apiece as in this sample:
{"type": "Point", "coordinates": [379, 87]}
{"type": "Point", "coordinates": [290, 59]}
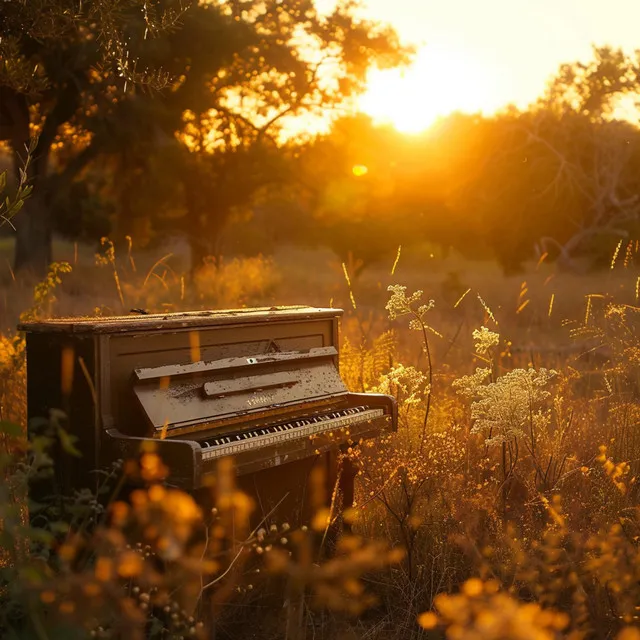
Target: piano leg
{"type": "Point", "coordinates": [340, 483]}
{"type": "Point", "coordinates": [294, 604]}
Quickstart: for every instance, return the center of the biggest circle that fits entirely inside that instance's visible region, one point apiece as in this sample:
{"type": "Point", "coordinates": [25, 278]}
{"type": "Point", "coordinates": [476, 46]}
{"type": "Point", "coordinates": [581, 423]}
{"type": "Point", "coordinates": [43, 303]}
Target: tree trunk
{"type": "Point", "coordinates": [33, 252]}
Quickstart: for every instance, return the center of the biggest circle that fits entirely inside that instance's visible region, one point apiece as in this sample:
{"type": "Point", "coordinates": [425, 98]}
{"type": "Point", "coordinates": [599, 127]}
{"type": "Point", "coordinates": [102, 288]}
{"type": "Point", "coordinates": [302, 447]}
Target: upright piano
{"type": "Point", "coordinates": [259, 385]}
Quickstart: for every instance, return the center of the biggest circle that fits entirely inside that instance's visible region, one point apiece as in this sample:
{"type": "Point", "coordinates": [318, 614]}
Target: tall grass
{"type": "Point", "coordinates": [508, 497]}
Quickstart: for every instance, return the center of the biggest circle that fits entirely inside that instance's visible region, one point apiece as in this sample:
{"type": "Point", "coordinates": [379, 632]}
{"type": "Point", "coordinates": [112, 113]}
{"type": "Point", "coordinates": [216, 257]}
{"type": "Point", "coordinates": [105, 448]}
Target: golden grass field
{"type": "Point", "coordinates": [506, 505]}
{"type": "Point", "coordinates": [316, 277]}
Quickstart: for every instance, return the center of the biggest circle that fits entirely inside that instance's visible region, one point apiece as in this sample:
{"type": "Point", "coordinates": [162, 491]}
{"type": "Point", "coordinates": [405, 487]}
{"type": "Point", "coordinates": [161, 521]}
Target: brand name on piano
{"type": "Point", "coordinates": [261, 398]}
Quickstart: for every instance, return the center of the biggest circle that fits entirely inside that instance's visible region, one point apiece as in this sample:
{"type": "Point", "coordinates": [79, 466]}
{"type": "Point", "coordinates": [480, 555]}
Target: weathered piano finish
{"type": "Point", "coordinates": [261, 385]}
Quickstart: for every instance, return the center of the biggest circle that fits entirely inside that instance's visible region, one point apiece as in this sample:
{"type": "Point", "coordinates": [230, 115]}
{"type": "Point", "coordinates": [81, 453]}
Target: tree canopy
{"type": "Point", "coordinates": [127, 78]}
{"type": "Point", "coordinates": [178, 117]}
{"type": "Point", "coordinates": [560, 177]}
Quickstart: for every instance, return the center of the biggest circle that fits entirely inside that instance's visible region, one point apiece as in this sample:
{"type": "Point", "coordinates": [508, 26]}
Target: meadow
{"type": "Point", "coordinates": [505, 506]}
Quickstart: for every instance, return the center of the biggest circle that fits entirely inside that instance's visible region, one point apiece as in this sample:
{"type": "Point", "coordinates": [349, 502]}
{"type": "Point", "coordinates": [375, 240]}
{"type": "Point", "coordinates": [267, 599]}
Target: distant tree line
{"type": "Point", "coordinates": [561, 178]}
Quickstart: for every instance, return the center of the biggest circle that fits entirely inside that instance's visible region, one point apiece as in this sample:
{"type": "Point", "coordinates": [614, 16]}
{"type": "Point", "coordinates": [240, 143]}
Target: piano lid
{"type": "Point", "coordinates": [178, 399]}
{"type": "Point", "coordinates": [195, 319]}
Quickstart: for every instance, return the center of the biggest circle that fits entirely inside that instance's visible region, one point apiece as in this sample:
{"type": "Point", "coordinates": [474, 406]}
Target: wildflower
{"type": "Point", "coordinates": [512, 405]}
{"type": "Point", "coordinates": [400, 304]}
{"type": "Point", "coordinates": [485, 340]}
{"type": "Point", "coordinates": [413, 383]}
{"type": "Point", "coordinates": [468, 385]}
{"type": "Point", "coordinates": [480, 610]}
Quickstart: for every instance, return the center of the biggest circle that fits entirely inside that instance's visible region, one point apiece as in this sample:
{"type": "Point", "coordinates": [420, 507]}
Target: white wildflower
{"type": "Point", "coordinates": [413, 384]}
{"type": "Point", "coordinates": [401, 304]}
{"type": "Point", "coordinates": [512, 406]}
{"type": "Point", "coordinates": [485, 340]}
{"type": "Point", "coordinates": [468, 385]}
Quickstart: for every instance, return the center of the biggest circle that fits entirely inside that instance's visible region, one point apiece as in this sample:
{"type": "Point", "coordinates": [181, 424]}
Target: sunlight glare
{"type": "Point", "coordinates": [441, 80]}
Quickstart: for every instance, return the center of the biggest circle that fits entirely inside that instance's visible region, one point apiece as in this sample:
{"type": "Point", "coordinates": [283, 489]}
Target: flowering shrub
{"type": "Point", "coordinates": [516, 406]}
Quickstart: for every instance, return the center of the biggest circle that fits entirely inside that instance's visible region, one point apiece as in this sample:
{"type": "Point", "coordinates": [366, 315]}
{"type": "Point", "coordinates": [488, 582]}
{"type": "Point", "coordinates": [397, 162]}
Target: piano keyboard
{"type": "Point", "coordinates": [274, 434]}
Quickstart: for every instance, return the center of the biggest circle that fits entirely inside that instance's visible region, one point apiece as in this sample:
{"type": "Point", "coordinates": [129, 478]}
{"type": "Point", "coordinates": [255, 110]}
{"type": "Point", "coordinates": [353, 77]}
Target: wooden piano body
{"type": "Point", "coordinates": [261, 385]}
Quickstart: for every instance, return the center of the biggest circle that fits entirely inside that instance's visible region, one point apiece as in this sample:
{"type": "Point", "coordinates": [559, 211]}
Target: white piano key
{"type": "Point", "coordinates": [286, 432]}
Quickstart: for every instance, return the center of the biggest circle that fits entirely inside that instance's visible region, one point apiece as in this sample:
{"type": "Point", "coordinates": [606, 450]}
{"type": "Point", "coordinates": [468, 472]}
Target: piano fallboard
{"type": "Point", "coordinates": [188, 400]}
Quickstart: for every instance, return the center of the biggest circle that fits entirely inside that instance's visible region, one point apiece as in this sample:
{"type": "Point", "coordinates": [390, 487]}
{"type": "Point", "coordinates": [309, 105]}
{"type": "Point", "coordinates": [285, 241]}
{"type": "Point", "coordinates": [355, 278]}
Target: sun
{"type": "Point", "coordinates": [440, 81]}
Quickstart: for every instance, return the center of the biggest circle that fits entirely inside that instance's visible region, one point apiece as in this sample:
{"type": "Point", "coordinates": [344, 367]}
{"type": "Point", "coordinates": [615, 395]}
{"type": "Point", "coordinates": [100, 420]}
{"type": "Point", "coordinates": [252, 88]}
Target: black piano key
{"type": "Point", "coordinates": [285, 427]}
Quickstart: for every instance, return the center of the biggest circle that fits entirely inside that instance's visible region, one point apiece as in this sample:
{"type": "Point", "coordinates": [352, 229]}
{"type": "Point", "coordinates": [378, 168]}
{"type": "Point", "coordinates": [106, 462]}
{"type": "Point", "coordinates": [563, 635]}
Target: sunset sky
{"type": "Point", "coordinates": [483, 54]}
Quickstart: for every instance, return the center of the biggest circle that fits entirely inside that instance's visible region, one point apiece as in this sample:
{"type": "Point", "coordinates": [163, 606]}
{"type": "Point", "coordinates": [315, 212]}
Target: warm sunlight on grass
{"type": "Point", "coordinates": [440, 81]}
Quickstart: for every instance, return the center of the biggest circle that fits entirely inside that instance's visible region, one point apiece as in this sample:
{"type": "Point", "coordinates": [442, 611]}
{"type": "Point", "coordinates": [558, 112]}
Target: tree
{"type": "Point", "coordinates": [241, 68]}
{"type": "Point", "coordinates": [61, 63]}
{"type": "Point", "coordinates": [560, 176]}
{"type": "Point", "coordinates": [593, 89]}
{"type": "Point", "coordinates": [600, 162]}
{"type": "Point", "coordinates": [297, 63]}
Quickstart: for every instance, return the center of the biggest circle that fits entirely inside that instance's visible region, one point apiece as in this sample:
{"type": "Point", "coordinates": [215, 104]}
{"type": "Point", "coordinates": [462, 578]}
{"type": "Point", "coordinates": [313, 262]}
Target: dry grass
{"type": "Point", "coordinates": [512, 492]}
{"type": "Point", "coordinates": [315, 277]}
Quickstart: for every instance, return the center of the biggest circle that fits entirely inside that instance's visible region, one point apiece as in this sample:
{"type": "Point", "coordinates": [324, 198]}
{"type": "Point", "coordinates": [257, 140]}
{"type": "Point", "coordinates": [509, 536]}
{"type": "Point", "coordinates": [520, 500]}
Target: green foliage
{"type": "Point", "coordinates": [12, 205]}
{"type": "Point", "coordinates": [43, 294]}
